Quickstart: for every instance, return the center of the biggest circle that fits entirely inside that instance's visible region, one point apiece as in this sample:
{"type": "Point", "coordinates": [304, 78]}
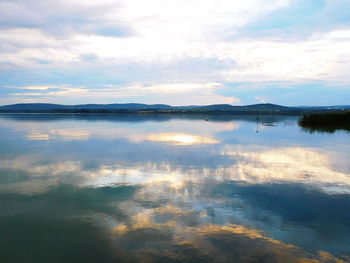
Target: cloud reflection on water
{"type": "Point", "coordinates": [181, 139]}
{"type": "Point", "coordinates": [198, 188]}
{"type": "Point", "coordinates": [293, 164]}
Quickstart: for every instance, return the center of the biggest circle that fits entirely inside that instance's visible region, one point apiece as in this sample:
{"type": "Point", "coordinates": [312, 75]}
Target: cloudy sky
{"type": "Point", "coordinates": [290, 52]}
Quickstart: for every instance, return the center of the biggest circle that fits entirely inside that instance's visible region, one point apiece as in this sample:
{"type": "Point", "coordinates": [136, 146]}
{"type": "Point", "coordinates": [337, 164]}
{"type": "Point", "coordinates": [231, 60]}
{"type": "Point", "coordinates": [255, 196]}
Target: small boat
{"type": "Point", "coordinates": [268, 124]}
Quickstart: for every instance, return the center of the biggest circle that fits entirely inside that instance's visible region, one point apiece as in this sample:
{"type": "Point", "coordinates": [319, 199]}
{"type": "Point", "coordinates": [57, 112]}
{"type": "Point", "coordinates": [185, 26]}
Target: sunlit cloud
{"type": "Point", "coordinates": [48, 92]}
{"type": "Point", "coordinates": [36, 88]}
{"type": "Point", "coordinates": [27, 94]}
{"type": "Point", "coordinates": [261, 99]}
{"type": "Point", "coordinates": [201, 93]}
{"type": "Point", "coordinates": [175, 88]}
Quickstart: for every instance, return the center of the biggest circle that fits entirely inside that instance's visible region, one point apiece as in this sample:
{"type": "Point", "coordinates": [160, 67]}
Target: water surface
{"type": "Point", "coordinates": [127, 188]}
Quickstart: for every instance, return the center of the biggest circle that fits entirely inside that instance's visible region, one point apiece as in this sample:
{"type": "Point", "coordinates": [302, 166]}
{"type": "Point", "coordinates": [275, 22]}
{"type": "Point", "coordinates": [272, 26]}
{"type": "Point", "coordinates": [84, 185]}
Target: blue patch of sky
{"type": "Point", "coordinates": [298, 12]}
{"type": "Point", "coordinates": [110, 31]}
{"type": "Point", "coordinates": [302, 17]}
{"type": "Point", "coordinates": [289, 94]}
{"type": "Point", "coordinates": [91, 77]}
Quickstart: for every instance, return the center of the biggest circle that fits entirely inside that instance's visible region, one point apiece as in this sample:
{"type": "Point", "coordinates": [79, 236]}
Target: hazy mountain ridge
{"type": "Point", "coordinates": [48, 106]}
{"type": "Point", "coordinates": [137, 107]}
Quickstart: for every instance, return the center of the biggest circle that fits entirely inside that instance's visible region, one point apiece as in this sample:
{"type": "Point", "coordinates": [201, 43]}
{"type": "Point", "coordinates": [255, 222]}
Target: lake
{"type": "Point", "coordinates": [134, 188]}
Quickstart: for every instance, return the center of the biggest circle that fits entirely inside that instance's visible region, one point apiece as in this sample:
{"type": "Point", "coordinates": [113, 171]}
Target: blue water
{"type": "Point", "coordinates": [134, 188]}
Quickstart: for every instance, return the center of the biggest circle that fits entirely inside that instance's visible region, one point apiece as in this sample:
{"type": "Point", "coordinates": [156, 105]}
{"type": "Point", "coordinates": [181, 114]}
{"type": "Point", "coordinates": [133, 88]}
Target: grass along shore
{"type": "Point", "coordinates": [329, 121]}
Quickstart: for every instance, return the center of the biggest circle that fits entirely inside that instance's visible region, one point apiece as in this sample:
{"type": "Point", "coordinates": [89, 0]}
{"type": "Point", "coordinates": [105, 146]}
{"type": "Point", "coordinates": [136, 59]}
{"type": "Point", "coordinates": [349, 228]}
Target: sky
{"type": "Point", "coordinates": [177, 52]}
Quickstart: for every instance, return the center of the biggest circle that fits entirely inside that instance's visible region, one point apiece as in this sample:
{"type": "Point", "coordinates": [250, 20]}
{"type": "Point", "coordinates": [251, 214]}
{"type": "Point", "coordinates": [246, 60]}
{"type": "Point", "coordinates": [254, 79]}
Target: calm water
{"type": "Point", "coordinates": [77, 188]}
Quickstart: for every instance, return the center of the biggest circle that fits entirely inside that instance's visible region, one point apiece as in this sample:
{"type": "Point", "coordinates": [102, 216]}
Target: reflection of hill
{"type": "Point", "coordinates": [137, 117]}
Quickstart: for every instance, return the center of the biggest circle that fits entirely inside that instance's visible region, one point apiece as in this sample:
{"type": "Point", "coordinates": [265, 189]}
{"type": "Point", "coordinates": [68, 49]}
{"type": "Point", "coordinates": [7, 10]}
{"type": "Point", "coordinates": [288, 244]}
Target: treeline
{"type": "Point", "coordinates": [329, 121]}
{"type": "Point", "coordinates": [71, 111]}
{"type": "Point", "coordinates": [154, 111]}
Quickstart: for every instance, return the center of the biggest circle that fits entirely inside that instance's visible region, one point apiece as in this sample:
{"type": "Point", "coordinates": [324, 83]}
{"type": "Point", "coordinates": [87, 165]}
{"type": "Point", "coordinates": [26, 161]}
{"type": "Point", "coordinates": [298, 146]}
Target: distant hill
{"type": "Point", "coordinates": [266, 108]}
{"type": "Point", "coordinates": [32, 106]}
{"type": "Point", "coordinates": [256, 107]}
{"type": "Point", "coordinates": [47, 106]}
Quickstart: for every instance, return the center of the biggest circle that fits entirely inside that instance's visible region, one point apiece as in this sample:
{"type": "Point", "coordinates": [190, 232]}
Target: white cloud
{"type": "Point", "coordinates": [165, 39]}
{"type": "Point", "coordinates": [320, 57]}
{"type": "Point", "coordinates": [163, 30]}
{"type": "Point", "coordinates": [47, 91]}
{"type": "Point", "coordinates": [316, 58]}
{"type": "Point", "coordinates": [260, 99]}
{"type": "Point", "coordinates": [190, 19]}
{"type": "Point", "coordinates": [171, 93]}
